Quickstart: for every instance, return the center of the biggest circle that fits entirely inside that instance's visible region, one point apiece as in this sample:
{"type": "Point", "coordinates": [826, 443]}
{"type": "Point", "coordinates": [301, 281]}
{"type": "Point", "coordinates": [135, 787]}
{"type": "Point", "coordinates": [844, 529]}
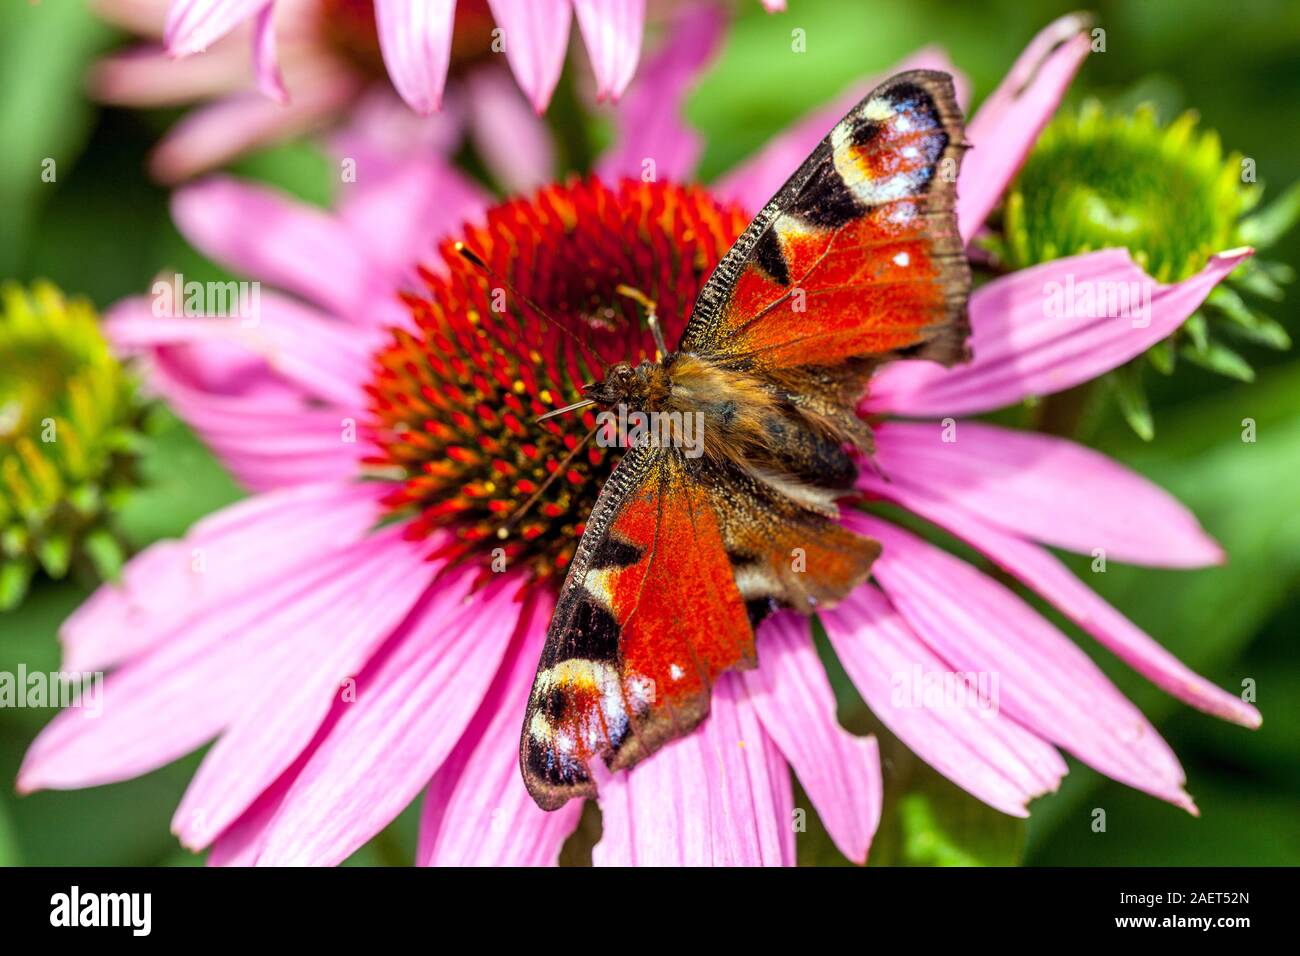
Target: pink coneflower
{"type": "Point", "coordinates": [319, 634]}
{"type": "Point", "coordinates": [309, 60]}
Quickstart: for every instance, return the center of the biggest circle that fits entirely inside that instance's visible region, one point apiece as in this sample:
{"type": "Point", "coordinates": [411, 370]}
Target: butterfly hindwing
{"type": "Point", "coordinates": [680, 561]}
{"type": "Point", "coordinates": [858, 255]}
{"type": "Point", "coordinates": [624, 670]}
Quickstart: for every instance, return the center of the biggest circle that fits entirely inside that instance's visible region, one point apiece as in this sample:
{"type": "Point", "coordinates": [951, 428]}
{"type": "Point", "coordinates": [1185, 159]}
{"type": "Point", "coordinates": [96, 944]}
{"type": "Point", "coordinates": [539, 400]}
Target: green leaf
{"type": "Point", "coordinates": [1275, 220]}
{"type": "Point", "coordinates": [1132, 400]}
{"type": "Point", "coordinates": [1218, 358]}
{"type": "Point", "coordinates": [1248, 324]}
{"type": "Point", "coordinates": [1163, 356]}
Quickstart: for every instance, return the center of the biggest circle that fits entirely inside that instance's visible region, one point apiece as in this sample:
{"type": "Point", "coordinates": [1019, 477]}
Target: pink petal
{"type": "Point", "coordinates": [194, 25]}
{"type": "Point", "coordinates": [381, 129]}
{"type": "Point", "coordinates": [277, 723]}
{"type": "Point", "coordinates": [757, 179]}
{"type": "Point", "coordinates": [198, 679]}
{"type": "Point", "coordinates": [413, 703]}
{"type": "Point", "coordinates": [212, 135]}
{"type": "Point", "coordinates": [477, 811]}
{"type": "Point", "coordinates": [535, 33]}
{"type": "Point", "coordinates": [981, 750]}
{"type": "Point", "coordinates": [402, 211]}
{"type": "Point", "coordinates": [774, 6]}
{"type": "Point", "coordinates": [720, 796]}
{"type": "Point", "coordinates": [146, 76]}
{"type": "Point", "coordinates": [611, 29]}
{"type": "Point", "coordinates": [173, 581]}
{"type": "Point", "coordinates": [294, 246]}
{"type": "Point", "coordinates": [1025, 345]}
{"type": "Point", "coordinates": [266, 69]}
{"type": "Point", "coordinates": [1049, 489]}
{"type": "Point", "coordinates": [513, 142]}
{"type": "Point", "coordinates": [839, 771]}
{"type": "Point", "coordinates": [1038, 569]}
{"type": "Point", "coordinates": [1008, 124]}
{"type": "Point", "coordinates": [323, 357]}
{"type": "Point", "coordinates": [248, 434]}
{"type": "Point", "coordinates": [416, 42]}
{"type": "Point", "coordinates": [649, 119]}
{"type": "Point", "coordinates": [1044, 681]}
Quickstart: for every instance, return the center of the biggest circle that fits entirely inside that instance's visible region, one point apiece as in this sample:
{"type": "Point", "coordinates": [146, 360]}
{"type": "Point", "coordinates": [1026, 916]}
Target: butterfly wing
{"type": "Point", "coordinates": [624, 669]}
{"type": "Point", "coordinates": [858, 255]}
{"type": "Point", "coordinates": [671, 576]}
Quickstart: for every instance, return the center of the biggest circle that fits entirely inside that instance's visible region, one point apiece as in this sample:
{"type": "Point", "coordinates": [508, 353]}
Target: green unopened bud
{"type": "Point", "coordinates": [65, 403]}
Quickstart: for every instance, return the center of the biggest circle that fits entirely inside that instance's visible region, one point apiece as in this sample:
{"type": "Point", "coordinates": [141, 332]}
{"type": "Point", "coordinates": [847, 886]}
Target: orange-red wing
{"type": "Point", "coordinates": [858, 255]}
{"type": "Point", "coordinates": [648, 618]}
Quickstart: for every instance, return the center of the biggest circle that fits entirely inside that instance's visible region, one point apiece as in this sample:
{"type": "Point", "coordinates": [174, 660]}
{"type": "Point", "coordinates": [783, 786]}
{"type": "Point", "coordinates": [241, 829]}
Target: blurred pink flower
{"type": "Point", "coordinates": [310, 59]}
{"type": "Point", "coordinates": [246, 630]}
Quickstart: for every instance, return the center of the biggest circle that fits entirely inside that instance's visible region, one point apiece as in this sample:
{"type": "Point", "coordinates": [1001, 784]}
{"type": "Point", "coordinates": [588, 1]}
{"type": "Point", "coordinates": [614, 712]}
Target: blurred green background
{"type": "Point", "coordinates": [103, 231]}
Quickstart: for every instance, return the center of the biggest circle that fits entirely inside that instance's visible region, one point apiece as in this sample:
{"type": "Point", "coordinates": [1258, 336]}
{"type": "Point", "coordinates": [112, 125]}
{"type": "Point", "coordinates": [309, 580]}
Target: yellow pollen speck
{"type": "Point", "coordinates": [519, 387]}
{"type": "Point", "coordinates": [545, 395]}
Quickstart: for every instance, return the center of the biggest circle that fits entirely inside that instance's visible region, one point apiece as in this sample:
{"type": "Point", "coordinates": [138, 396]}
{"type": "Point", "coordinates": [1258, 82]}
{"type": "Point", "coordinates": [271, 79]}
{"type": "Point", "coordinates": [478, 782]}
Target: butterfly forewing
{"type": "Point", "coordinates": [858, 254]}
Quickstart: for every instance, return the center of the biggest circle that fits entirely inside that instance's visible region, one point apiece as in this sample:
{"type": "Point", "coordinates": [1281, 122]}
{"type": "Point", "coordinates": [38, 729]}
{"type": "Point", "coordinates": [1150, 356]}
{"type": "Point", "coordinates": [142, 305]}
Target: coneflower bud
{"type": "Point", "coordinates": [69, 425]}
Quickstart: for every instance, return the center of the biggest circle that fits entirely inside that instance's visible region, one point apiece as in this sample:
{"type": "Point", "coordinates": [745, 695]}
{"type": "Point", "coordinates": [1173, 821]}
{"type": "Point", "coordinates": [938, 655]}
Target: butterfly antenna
{"type": "Point", "coordinates": [567, 408]}
{"type": "Point", "coordinates": [475, 259]}
{"type": "Point", "coordinates": [651, 315]}
{"type": "Point", "coordinates": [503, 532]}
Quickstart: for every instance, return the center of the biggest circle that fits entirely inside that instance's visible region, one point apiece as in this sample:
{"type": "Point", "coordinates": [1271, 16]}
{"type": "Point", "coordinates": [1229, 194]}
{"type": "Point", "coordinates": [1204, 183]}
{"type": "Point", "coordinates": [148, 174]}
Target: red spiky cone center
{"type": "Point", "coordinates": [455, 399]}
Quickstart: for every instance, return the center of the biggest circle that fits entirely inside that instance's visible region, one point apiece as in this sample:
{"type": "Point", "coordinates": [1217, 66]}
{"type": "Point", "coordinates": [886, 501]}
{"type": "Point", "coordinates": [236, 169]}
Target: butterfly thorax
{"type": "Point", "coordinates": [736, 411]}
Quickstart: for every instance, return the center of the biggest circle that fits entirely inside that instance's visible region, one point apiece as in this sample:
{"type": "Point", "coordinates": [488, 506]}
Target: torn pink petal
{"type": "Point", "coordinates": [839, 771]}
{"type": "Point", "coordinates": [477, 811]}
{"type": "Point", "coordinates": [757, 179]}
{"type": "Point", "coordinates": [611, 30]}
{"type": "Point", "coordinates": [413, 702]}
{"type": "Point", "coordinates": [415, 39]}
{"type": "Point", "coordinates": [194, 25]}
{"type": "Point", "coordinates": [1046, 488]}
{"type": "Point", "coordinates": [198, 678]}
{"type": "Point", "coordinates": [535, 34]}
{"type": "Point", "coordinates": [979, 749]}
{"type": "Point", "coordinates": [1033, 332]}
{"type": "Point", "coordinates": [1043, 680]}
{"type": "Point", "coordinates": [1009, 122]}
{"type": "Point", "coordinates": [1042, 572]}
{"type": "Point", "coordinates": [174, 581]}
{"type": "Point", "coordinates": [650, 128]}
{"type": "Point", "coordinates": [311, 670]}
{"type": "Point", "coordinates": [717, 797]}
